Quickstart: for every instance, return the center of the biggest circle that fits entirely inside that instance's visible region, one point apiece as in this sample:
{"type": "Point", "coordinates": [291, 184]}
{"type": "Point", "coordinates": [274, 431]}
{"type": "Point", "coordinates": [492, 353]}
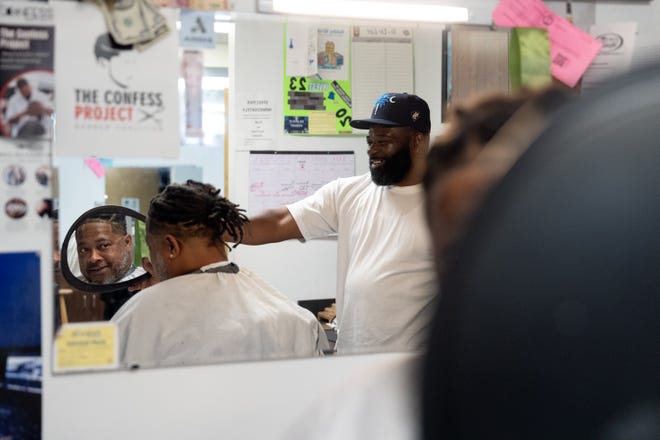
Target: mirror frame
{"type": "Point", "coordinates": [97, 288]}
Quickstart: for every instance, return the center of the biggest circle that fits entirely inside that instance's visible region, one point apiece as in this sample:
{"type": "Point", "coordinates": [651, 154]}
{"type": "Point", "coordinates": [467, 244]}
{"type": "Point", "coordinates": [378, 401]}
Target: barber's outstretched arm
{"type": "Point", "coordinates": [271, 226]}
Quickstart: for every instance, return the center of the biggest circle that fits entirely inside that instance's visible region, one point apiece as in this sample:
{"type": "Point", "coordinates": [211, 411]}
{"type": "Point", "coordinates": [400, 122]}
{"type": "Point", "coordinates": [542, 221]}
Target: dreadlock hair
{"type": "Point", "coordinates": [196, 209]}
{"type": "Point", "coordinates": [471, 124]}
{"type": "Point", "coordinates": [474, 123]}
{"type": "Point", "coordinates": [116, 221]}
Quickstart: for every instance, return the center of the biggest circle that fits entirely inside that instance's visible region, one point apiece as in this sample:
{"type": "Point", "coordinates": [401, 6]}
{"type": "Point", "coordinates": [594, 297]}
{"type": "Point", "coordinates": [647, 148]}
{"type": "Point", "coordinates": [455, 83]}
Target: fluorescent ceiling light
{"type": "Point", "coordinates": [219, 27]}
{"type": "Point", "coordinates": [372, 10]}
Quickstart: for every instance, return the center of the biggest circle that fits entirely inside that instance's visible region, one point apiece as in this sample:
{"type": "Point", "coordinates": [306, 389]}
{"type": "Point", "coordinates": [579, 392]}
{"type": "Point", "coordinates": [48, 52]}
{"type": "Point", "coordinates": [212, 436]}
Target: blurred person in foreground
{"type": "Point", "coordinates": [548, 326]}
{"type": "Point", "coordinates": [204, 308]}
{"type": "Point", "coordinates": [383, 401]}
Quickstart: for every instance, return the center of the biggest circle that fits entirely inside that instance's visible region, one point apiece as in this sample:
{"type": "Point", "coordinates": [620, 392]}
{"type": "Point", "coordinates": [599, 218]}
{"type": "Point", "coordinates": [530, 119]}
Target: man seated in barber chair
{"type": "Point", "coordinates": [202, 308]}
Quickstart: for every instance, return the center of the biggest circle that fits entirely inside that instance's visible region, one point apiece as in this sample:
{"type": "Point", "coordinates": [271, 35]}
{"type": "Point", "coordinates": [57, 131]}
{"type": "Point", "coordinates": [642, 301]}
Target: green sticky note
{"type": "Point", "coordinates": [529, 58]}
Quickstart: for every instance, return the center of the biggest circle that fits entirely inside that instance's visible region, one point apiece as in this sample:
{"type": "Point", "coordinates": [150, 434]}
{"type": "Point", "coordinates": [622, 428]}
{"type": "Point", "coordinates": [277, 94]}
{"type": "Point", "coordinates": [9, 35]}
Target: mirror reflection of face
{"type": "Point", "coordinates": [104, 256]}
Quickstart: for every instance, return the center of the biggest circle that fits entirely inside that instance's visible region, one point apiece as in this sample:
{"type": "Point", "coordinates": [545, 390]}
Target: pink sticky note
{"type": "Point", "coordinates": [96, 166]}
{"type": "Point", "coordinates": [571, 49]}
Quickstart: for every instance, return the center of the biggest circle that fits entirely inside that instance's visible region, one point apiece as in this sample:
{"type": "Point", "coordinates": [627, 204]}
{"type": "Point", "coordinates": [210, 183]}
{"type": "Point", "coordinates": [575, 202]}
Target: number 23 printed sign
{"type": "Point", "coordinates": [320, 103]}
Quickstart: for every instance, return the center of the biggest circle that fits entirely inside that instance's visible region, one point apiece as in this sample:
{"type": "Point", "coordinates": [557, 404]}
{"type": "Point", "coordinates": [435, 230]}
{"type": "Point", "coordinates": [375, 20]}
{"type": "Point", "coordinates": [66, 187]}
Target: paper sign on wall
{"type": "Point", "coordinates": [114, 100]}
{"type": "Point", "coordinates": [277, 178]}
{"type": "Point", "coordinates": [255, 121]}
{"type": "Point", "coordinates": [571, 49]}
{"type": "Point", "coordinates": [26, 73]}
{"type": "Point", "coordinates": [86, 346]}
{"type": "Point", "coordinates": [614, 58]}
{"type": "Point", "coordinates": [317, 87]}
{"type": "Point", "coordinates": [197, 29]}
{"type": "Point", "coordinates": [382, 61]}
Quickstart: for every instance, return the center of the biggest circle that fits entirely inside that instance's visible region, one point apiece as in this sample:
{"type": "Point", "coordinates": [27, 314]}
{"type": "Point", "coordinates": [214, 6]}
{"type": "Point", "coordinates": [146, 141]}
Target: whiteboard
{"type": "Point", "coordinates": [277, 178]}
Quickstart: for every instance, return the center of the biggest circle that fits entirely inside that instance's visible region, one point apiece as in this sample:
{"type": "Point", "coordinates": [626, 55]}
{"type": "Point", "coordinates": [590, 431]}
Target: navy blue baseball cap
{"type": "Point", "coordinates": [398, 110]}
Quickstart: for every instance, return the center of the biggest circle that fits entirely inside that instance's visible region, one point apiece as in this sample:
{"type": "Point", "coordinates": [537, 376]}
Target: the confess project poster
{"type": "Point", "coordinates": [114, 100]}
{"type": "Point", "coordinates": [26, 71]}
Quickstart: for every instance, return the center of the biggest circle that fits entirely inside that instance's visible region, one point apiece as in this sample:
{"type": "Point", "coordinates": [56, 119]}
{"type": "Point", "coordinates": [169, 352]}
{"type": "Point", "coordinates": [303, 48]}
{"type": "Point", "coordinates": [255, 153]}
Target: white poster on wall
{"type": "Point", "coordinates": [278, 178]}
{"type": "Point", "coordinates": [382, 62]}
{"type": "Point", "coordinates": [301, 49]}
{"type": "Point", "coordinates": [256, 124]}
{"type": "Point", "coordinates": [26, 71]}
{"type": "Point", "coordinates": [614, 57]}
{"type": "Point", "coordinates": [113, 100]}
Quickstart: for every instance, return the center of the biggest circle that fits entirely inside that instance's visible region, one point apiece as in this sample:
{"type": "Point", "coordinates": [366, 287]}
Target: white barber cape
{"type": "Point", "coordinates": [214, 316]}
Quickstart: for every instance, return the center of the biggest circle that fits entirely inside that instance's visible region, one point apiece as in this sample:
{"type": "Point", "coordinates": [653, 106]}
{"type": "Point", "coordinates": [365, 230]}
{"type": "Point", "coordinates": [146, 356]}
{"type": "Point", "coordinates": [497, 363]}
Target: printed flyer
{"type": "Point", "coordinates": [318, 102]}
{"type": "Point", "coordinates": [26, 73]}
{"type": "Point", "coordinates": [114, 100]}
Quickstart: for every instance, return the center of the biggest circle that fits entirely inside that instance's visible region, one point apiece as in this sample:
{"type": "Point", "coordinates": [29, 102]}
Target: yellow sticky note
{"type": "Point", "coordinates": [322, 123]}
{"type": "Point", "coordinates": [86, 346]}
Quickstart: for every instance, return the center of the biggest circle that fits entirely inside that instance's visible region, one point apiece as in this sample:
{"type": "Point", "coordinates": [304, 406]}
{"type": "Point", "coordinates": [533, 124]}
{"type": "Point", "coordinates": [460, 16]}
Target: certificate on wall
{"type": "Point", "coordinates": [114, 100]}
{"type": "Point", "coordinates": [277, 178]}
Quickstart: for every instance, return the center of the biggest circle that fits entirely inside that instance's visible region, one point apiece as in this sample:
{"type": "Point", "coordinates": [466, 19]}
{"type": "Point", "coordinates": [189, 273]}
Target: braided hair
{"type": "Point", "coordinates": [196, 209]}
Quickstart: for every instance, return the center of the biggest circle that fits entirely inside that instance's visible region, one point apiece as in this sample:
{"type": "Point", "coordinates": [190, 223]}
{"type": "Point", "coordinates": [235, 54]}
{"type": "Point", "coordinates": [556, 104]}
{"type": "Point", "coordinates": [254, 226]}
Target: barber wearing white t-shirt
{"type": "Point", "coordinates": [385, 275]}
{"type": "Point", "coordinates": [28, 111]}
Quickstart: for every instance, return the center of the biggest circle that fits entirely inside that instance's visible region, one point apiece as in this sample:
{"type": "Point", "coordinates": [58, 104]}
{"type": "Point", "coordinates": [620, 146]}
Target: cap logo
{"type": "Point", "coordinates": [415, 116]}
{"type": "Point", "coordinates": [382, 100]}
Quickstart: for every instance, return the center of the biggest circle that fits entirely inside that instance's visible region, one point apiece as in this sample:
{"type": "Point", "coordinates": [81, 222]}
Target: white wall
{"type": "Point", "coordinates": [233, 401]}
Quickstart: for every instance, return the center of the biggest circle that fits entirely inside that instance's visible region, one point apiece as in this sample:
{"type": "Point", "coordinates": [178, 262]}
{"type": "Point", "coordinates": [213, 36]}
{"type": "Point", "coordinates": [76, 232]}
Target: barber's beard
{"type": "Point", "coordinates": [122, 268]}
{"type": "Point", "coordinates": [394, 170]}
